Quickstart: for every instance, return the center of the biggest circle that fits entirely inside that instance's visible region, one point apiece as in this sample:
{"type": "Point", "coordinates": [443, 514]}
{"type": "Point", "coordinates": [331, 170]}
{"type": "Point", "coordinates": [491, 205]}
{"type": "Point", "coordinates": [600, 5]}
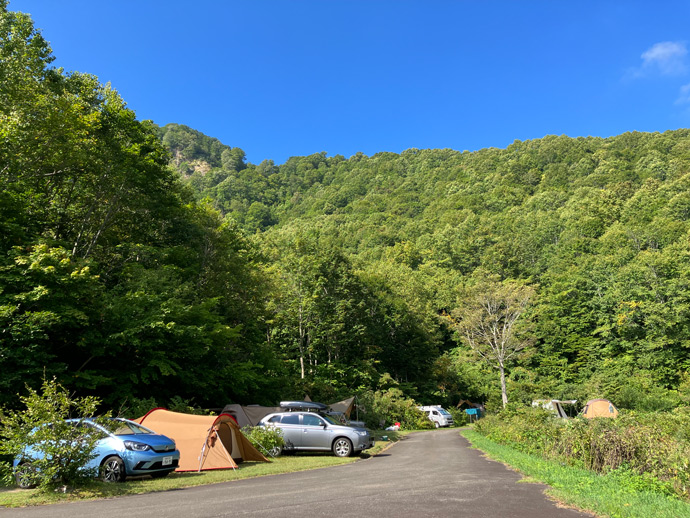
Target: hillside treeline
{"type": "Point", "coordinates": [112, 278]}
{"type": "Point", "coordinates": [598, 225]}
{"type": "Point", "coordinates": [144, 262]}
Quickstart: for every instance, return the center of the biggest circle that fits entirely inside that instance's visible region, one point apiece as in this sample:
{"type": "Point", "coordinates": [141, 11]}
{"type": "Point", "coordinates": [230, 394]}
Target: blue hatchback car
{"type": "Point", "coordinates": [125, 449]}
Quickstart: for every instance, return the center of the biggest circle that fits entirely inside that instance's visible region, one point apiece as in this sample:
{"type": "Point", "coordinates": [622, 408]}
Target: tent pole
{"type": "Point", "coordinates": [203, 449]}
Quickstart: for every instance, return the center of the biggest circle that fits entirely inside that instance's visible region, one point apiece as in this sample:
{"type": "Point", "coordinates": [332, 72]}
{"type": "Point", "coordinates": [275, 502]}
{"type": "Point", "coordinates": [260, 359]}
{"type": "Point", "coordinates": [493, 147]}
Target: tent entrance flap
{"type": "Point", "coordinates": [216, 445]}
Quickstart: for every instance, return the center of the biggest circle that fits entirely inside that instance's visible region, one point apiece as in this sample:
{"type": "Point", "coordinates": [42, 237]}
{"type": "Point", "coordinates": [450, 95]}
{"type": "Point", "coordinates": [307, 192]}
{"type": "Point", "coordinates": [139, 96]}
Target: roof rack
{"type": "Point", "coordinates": [303, 406]}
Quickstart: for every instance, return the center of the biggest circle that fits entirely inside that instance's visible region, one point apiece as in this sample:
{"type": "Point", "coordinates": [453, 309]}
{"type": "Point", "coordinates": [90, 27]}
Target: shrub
{"type": "Point", "coordinates": [61, 450]}
{"type": "Point", "coordinates": [135, 408]}
{"type": "Point", "coordinates": [652, 444]}
{"type": "Point", "coordinates": [386, 407]}
{"type": "Point", "coordinates": [267, 439]}
{"type": "Point", "coordinates": [460, 418]}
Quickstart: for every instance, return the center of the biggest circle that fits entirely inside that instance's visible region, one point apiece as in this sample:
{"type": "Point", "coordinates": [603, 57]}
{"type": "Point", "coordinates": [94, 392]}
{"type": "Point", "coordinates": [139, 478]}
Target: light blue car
{"type": "Point", "coordinates": [125, 449]}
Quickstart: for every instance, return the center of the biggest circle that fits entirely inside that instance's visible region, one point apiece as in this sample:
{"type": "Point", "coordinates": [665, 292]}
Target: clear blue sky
{"type": "Point", "coordinates": [295, 77]}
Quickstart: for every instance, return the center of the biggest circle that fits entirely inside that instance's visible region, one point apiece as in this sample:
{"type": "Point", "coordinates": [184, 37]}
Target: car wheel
{"type": "Point", "coordinates": [24, 475]}
{"type": "Point", "coordinates": [113, 470]}
{"type": "Point", "coordinates": [342, 447]}
{"type": "Point", "coordinates": [436, 424]}
{"type": "Point", "coordinates": [275, 451]}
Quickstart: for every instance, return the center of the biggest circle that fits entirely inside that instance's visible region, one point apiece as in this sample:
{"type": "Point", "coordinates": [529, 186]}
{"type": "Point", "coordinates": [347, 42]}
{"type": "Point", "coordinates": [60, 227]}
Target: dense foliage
{"type": "Point", "coordinates": [60, 450]}
{"type": "Point", "coordinates": [145, 263]}
{"type": "Point", "coordinates": [652, 445]}
{"type": "Point", "coordinates": [600, 226]}
{"type": "Point", "coordinates": [112, 278]}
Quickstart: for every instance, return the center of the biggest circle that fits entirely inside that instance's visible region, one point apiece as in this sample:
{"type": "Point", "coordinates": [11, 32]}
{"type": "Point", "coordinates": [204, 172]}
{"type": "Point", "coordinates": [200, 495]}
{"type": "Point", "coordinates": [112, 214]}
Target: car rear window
{"type": "Point", "coordinates": [290, 419]}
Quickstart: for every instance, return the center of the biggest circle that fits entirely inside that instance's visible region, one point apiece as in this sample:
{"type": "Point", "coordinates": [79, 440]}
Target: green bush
{"type": "Point", "coordinates": [654, 446]}
{"type": "Point", "coordinates": [383, 408]}
{"type": "Point", "coordinates": [134, 408]}
{"type": "Point", "coordinates": [62, 449]}
{"type": "Point", "coordinates": [460, 418]}
{"type": "Point", "coordinates": [267, 439]}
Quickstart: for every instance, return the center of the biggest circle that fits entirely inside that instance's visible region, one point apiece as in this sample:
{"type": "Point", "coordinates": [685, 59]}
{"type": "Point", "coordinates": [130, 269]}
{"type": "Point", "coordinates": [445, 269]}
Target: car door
{"type": "Point", "coordinates": [316, 435]}
{"type": "Point", "coordinates": [292, 430]}
{"type": "Point", "coordinates": [101, 448]}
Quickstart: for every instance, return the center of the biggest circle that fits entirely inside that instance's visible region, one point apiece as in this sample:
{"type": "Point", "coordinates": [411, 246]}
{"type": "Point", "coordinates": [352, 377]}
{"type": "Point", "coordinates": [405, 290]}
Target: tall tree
{"type": "Point", "coordinates": [487, 321]}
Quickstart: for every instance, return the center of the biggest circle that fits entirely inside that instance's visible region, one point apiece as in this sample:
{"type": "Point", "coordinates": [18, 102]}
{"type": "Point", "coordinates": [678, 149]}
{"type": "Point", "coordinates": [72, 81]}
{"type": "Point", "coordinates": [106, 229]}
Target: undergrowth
{"type": "Point", "coordinates": [654, 447]}
{"type": "Point", "coordinates": [616, 494]}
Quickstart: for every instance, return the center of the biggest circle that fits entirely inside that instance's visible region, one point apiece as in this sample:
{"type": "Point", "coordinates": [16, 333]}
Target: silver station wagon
{"type": "Point", "coordinates": [309, 431]}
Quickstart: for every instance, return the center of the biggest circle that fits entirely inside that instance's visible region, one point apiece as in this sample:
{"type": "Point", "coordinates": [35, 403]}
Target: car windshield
{"type": "Point", "coordinates": [330, 419]}
{"type": "Point", "coordinates": [120, 427]}
{"type": "Point", "coordinates": [443, 411]}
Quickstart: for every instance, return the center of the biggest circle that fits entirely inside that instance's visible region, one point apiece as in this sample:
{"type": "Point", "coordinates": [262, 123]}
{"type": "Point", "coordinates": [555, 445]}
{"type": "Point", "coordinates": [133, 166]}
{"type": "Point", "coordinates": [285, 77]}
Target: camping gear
{"type": "Point", "coordinates": [345, 406]}
{"type": "Point", "coordinates": [472, 412]}
{"type": "Point", "coordinates": [554, 406]}
{"type": "Point", "coordinates": [249, 415]}
{"type": "Point", "coordinates": [464, 404]}
{"type": "Point", "coordinates": [342, 410]}
{"type": "Point", "coordinates": [303, 406]}
{"type": "Point", "coordinates": [599, 408]}
{"type": "Point", "coordinates": [205, 442]}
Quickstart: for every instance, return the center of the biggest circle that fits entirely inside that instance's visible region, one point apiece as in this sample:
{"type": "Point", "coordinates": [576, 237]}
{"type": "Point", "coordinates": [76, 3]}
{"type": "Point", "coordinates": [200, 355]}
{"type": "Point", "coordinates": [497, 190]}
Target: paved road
{"type": "Point", "coordinates": [432, 474]}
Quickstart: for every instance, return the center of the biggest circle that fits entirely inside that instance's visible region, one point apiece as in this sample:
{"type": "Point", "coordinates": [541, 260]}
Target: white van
{"type": "Point", "coordinates": [438, 415]}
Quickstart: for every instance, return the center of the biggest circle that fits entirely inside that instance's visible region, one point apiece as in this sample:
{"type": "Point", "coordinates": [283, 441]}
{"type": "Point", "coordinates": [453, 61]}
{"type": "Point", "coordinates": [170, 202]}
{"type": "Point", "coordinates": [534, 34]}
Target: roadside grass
{"type": "Point", "coordinates": [14, 497]}
{"type": "Point", "coordinates": [611, 495]}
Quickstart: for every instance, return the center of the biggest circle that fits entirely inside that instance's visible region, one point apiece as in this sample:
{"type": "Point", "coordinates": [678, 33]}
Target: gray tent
{"type": "Point", "coordinates": [249, 415]}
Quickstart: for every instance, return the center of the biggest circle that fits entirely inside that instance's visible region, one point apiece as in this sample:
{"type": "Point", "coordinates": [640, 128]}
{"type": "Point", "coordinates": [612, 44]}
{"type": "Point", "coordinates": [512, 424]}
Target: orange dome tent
{"type": "Point", "coordinates": [599, 408]}
{"type": "Point", "coordinates": [205, 442]}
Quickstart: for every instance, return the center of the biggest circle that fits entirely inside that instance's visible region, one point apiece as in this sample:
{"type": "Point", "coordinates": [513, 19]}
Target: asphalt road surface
{"type": "Point", "coordinates": [428, 474]}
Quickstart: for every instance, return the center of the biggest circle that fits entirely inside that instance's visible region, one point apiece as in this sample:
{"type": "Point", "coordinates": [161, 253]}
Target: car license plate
{"type": "Point", "coordinates": [167, 461]}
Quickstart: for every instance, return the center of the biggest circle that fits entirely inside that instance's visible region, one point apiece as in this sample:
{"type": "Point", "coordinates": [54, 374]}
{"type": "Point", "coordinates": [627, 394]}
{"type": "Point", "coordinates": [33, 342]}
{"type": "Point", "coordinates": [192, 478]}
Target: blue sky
{"type": "Point", "coordinates": [295, 77]}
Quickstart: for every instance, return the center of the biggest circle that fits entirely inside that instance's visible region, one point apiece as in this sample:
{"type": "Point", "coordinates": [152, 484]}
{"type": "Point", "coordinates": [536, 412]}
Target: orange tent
{"type": "Point", "coordinates": [599, 408]}
{"type": "Point", "coordinates": [205, 442]}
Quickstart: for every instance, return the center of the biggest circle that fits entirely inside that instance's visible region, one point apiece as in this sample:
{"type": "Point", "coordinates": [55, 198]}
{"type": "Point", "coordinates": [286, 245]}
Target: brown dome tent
{"type": "Point", "coordinates": [205, 442]}
{"type": "Point", "coordinates": [599, 408]}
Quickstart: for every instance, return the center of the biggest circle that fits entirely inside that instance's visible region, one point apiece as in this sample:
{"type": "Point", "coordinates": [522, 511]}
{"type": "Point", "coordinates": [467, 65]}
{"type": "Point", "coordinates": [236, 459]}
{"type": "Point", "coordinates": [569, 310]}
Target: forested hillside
{"type": "Point", "coordinates": [599, 226]}
{"type": "Point", "coordinates": [112, 278]}
{"type": "Point", "coordinates": [143, 262]}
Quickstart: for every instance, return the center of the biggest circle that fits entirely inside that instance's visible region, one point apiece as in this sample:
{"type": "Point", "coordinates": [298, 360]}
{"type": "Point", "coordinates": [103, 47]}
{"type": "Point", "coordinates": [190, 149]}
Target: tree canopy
{"type": "Point", "coordinates": [139, 261]}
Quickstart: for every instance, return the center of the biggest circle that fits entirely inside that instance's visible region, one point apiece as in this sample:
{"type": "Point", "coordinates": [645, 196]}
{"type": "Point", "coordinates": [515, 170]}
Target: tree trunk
{"type": "Point", "coordinates": [302, 337]}
{"type": "Point", "coordinates": [504, 393]}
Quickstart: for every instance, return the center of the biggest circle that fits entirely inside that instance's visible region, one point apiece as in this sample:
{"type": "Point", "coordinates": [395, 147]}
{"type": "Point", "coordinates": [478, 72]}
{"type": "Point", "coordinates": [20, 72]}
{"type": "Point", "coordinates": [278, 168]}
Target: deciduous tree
{"type": "Point", "coordinates": [488, 321]}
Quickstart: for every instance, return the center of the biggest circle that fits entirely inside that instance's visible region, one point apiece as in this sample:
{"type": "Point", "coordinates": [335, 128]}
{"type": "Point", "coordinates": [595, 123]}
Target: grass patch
{"type": "Point", "coordinates": [12, 497]}
{"type": "Point", "coordinates": [614, 495]}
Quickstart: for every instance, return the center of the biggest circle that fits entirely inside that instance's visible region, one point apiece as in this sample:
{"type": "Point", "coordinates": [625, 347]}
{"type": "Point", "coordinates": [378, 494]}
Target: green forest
{"type": "Point", "coordinates": [147, 262]}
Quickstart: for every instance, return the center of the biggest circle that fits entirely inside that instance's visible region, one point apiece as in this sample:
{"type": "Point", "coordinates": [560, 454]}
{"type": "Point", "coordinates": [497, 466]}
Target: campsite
{"type": "Point", "coordinates": [380, 220]}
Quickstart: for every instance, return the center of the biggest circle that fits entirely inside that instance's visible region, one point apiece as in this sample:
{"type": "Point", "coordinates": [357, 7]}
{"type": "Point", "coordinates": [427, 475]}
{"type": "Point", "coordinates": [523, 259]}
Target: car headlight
{"type": "Point", "coordinates": [363, 434]}
{"type": "Point", "coordinates": [136, 446]}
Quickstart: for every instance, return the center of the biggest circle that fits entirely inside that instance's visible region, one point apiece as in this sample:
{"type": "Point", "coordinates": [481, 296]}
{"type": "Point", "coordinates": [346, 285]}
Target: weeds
{"type": "Point", "coordinates": [654, 446]}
